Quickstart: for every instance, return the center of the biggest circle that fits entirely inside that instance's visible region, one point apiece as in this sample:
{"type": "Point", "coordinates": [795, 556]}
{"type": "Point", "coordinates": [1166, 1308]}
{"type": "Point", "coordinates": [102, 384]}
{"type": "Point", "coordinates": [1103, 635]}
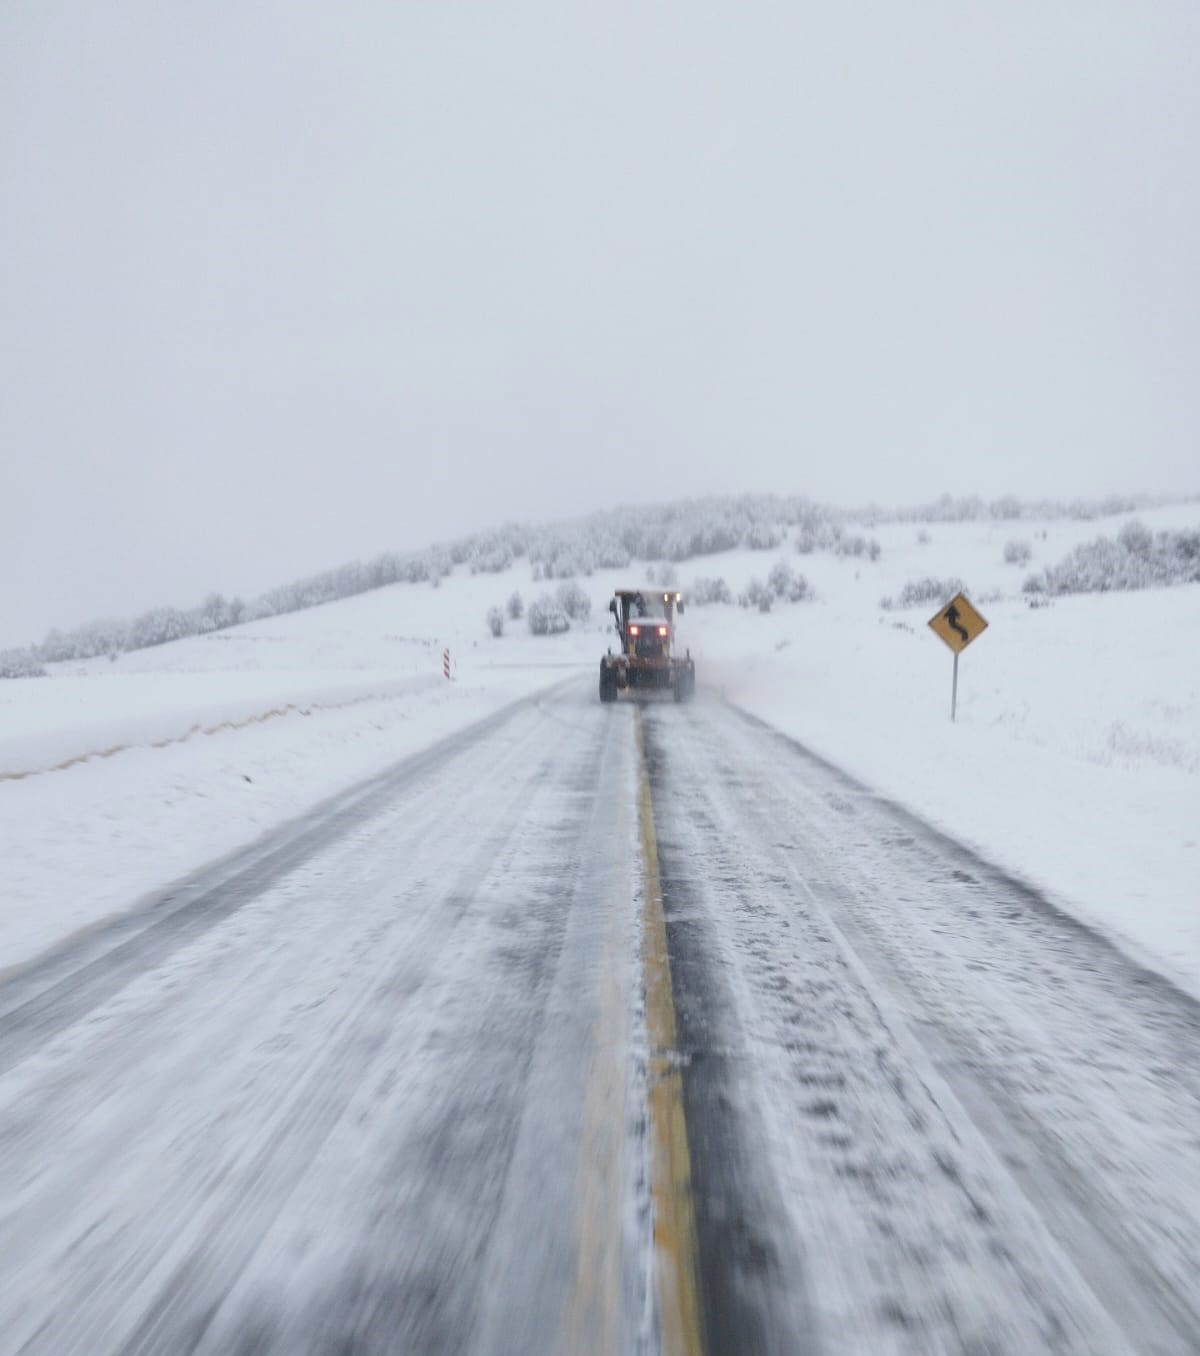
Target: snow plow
{"type": "Point", "coordinates": [645, 624]}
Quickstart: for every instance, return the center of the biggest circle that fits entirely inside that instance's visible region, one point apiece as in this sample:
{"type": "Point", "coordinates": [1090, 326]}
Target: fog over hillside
{"type": "Point", "coordinates": [672, 532]}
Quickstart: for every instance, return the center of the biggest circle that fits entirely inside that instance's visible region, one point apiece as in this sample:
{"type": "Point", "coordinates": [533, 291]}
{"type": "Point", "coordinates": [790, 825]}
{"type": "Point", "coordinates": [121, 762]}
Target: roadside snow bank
{"type": "Point", "coordinates": [74, 718]}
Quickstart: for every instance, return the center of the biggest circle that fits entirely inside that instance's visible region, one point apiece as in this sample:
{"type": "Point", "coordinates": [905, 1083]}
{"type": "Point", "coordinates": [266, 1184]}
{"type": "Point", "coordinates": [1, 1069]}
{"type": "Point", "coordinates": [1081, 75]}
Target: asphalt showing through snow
{"type": "Point", "coordinates": [599, 1030]}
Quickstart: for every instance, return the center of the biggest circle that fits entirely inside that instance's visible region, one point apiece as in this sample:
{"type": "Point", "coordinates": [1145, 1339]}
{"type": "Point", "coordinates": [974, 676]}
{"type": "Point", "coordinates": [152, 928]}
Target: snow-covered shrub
{"type": "Point", "coordinates": [216, 613]}
{"type": "Point", "coordinates": [857, 546]}
{"type": "Point", "coordinates": [559, 558]}
{"type": "Point", "coordinates": [495, 620]}
{"type": "Point", "coordinates": [20, 664]}
{"type": "Point", "coordinates": [1136, 559]}
{"type": "Point", "coordinates": [928, 590]}
{"type": "Point", "coordinates": [491, 558]}
{"type": "Point", "coordinates": [757, 595]}
{"type": "Point", "coordinates": [608, 551]}
{"type": "Point", "coordinates": [515, 607]}
{"type": "Point", "coordinates": [1135, 748]}
{"type": "Point", "coordinates": [440, 560]}
{"type": "Point", "coordinates": [703, 592]}
{"type": "Point", "coordinates": [1136, 537]}
{"type": "Point", "coordinates": [573, 601]}
{"type": "Point", "coordinates": [971, 508]}
{"type": "Point", "coordinates": [85, 642]}
{"type": "Point", "coordinates": [922, 538]}
{"type": "Point", "coordinates": [705, 539]}
{"type": "Point", "coordinates": [785, 583]}
{"type": "Point", "coordinates": [677, 546]}
{"type": "Point", "coordinates": [763, 537]}
{"type": "Point", "coordinates": [158, 626]}
{"type": "Point", "coordinates": [798, 589]}
{"type": "Point", "coordinates": [779, 578]}
{"type": "Point", "coordinates": [817, 535]}
{"type": "Point", "coordinates": [665, 575]}
{"type": "Point", "coordinates": [1017, 551]}
{"type": "Point", "coordinates": [545, 617]}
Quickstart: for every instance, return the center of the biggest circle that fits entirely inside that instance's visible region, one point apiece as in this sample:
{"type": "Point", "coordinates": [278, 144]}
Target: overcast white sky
{"type": "Point", "coordinates": [283, 284]}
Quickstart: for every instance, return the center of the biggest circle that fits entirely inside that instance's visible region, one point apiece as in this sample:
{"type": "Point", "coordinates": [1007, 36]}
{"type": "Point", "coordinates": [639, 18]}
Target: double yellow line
{"type": "Point", "coordinates": [676, 1252]}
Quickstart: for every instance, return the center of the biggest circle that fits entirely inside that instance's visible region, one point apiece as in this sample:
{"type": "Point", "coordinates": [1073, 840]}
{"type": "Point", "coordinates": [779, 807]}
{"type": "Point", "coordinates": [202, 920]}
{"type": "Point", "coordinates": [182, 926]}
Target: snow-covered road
{"type": "Point", "coordinates": [982, 1121]}
{"type": "Point", "coordinates": [384, 1083]}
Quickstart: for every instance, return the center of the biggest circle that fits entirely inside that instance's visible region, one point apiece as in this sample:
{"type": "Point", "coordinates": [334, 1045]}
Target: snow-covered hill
{"type": "Point", "coordinates": [1075, 761]}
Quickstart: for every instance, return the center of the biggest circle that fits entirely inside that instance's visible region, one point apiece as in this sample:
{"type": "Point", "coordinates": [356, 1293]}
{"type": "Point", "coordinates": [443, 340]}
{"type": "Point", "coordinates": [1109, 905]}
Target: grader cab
{"type": "Point", "coordinates": [646, 662]}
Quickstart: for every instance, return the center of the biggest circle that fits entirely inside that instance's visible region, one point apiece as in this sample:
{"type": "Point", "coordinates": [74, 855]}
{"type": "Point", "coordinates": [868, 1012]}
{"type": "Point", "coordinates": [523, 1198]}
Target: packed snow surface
{"type": "Point", "coordinates": [383, 1082]}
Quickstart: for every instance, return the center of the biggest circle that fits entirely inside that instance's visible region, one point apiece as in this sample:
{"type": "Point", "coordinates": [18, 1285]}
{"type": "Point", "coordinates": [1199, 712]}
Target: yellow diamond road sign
{"type": "Point", "coordinates": [958, 623]}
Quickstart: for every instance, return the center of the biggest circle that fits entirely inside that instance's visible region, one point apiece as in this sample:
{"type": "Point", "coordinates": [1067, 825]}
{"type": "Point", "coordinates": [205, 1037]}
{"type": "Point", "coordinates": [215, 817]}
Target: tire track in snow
{"type": "Point", "coordinates": [217, 1227]}
{"type": "Point", "coordinates": [57, 990]}
{"type": "Point", "coordinates": [1127, 1059]}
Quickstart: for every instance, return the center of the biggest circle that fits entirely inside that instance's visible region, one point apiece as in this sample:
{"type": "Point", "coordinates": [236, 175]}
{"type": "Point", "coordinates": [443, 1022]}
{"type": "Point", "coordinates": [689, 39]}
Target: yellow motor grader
{"type": "Point", "coordinates": [645, 623]}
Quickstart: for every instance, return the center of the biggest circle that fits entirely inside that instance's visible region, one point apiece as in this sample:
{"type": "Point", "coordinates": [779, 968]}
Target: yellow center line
{"type": "Point", "coordinates": [676, 1253]}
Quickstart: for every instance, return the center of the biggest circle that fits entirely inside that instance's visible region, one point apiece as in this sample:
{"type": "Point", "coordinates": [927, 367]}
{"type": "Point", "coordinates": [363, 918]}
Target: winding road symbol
{"type": "Point", "coordinates": [958, 623]}
{"type": "Point", "coordinates": [951, 614]}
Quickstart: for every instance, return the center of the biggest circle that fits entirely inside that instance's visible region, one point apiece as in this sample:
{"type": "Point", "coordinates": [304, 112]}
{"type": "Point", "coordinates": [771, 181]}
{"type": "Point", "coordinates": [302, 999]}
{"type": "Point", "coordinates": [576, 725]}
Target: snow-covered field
{"type": "Point", "coordinates": [1075, 760]}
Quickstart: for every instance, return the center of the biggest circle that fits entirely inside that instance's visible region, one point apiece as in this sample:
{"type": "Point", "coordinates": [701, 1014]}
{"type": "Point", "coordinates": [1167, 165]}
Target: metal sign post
{"type": "Point", "coordinates": [958, 623]}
